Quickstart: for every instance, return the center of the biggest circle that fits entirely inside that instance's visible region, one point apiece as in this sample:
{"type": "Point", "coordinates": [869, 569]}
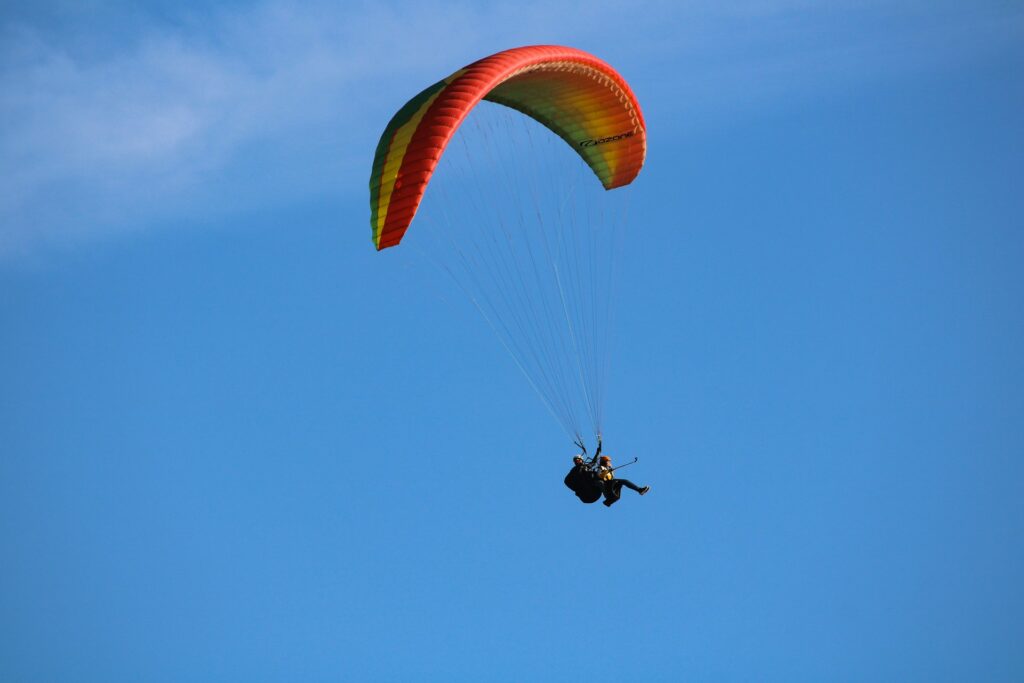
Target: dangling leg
{"type": "Point", "coordinates": [639, 489]}
{"type": "Point", "coordinates": [612, 492]}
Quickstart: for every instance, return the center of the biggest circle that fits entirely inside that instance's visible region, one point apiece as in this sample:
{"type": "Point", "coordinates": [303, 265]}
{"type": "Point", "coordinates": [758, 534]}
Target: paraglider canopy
{"type": "Point", "coordinates": [577, 96]}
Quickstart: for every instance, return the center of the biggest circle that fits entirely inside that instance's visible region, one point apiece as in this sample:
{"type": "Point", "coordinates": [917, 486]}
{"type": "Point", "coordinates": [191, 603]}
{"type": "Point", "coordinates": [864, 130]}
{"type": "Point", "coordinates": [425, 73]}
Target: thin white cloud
{"type": "Point", "coordinates": [151, 121]}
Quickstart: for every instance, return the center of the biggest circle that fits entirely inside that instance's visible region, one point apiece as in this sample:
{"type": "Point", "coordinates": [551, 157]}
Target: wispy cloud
{"type": "Point", "coordinates": [110, 126]}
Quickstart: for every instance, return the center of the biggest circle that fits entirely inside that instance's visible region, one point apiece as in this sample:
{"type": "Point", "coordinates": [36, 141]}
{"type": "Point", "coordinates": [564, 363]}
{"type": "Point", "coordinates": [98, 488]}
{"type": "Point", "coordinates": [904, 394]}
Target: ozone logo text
{"type": "Point", "coordinates": [611, 138]}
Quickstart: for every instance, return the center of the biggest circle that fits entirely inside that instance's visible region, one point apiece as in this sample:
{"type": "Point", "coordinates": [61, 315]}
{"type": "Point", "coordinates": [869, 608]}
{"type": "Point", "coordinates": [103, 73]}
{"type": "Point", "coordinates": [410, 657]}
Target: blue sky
{"type": "Point", "coordinates": [238, 444]}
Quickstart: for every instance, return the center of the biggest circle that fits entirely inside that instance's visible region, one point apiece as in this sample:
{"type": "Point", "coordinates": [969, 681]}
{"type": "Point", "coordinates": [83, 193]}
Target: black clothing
{"type": "Point", "coordinates": [613, 489]}
{"type": "Point", "coordinates": [584, 483]}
